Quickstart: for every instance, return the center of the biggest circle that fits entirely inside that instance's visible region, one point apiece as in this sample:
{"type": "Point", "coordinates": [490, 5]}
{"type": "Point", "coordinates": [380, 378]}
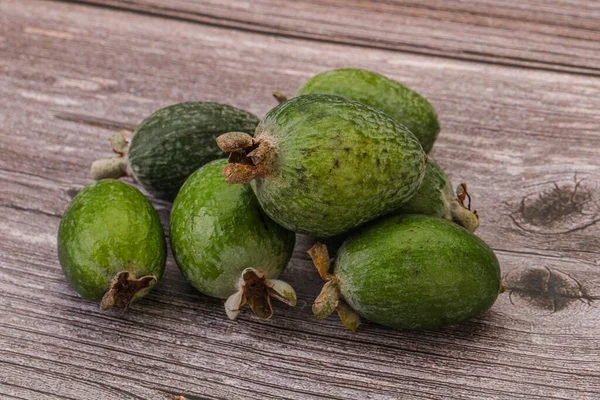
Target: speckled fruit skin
{"type": "Point", "coordinates": [433, 195]}
{"type": "Point", "coordinates": [338, 164]}
{"type": "Point", "coordinates": [168, 146]}
{"type": "Point", "coordinates": [218, 230]}
{"type": "Point", "coordinates": [109, 227]}
{"type": "Point", "coordinates": [398, 101]}
{"type": "Point", "coordinates": [417, 271]}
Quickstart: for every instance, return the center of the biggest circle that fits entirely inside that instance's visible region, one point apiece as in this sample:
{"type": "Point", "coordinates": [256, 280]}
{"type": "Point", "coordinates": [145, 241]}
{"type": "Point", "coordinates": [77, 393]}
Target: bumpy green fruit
{"type": "Point", "coordinates": [396, 100]}
{"type": "Point", "coordinates": [111, 244]}
{"type": "Point", "coordinates": [408, 271]}
{"type": "Point", "coordinates": [171, 144]}
{"type": "Point", "coordinates": [322, 165]}
{"type": "Point", "coordinates": [226, 247]}
{"type": "Point", "coordinates": [436, 197]}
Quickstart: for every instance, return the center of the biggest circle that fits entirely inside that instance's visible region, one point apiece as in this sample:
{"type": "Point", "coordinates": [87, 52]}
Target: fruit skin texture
{"type": "Point", "coordinates": [171, 144]}
{"type": "Point", "coordinates": [331, 164]}
{"type": "Point", "coordinates": [436, 197]}
{"type": "Point", "coordinates": [417, 271]}
{"type": "Point", "coordinates": [218, 230]}
{"type": "Point", "coordinates": [110, 227]}
{"type": "Point", "coordinates": [396, 100]}
{"type": "Point", "coordinates": [434, 194]}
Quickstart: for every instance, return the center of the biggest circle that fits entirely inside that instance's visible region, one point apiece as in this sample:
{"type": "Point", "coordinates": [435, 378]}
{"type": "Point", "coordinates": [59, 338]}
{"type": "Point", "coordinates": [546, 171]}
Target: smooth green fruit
{"type": "Point", "coordinates": [436, 197]}
{"type": "Point", "coordinates": [226, 247]}
{"type": "Point", "coordinates": [169, 145]}
{"type": "Point", "coordinates": [396, 100]}
{"type": "Point", "coordinates": [409, 271]}
{"type": "Point", "coordinates": [322, 165]}
{"type": "Point", "coordinates": [111, 244]}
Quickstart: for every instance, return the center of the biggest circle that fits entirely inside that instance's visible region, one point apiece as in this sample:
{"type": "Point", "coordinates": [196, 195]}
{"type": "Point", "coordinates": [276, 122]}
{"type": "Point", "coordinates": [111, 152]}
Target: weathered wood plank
{"type": "Point", "coordinates": [73, 76]}
{"type": "Point", "coordinates": [556, 35]}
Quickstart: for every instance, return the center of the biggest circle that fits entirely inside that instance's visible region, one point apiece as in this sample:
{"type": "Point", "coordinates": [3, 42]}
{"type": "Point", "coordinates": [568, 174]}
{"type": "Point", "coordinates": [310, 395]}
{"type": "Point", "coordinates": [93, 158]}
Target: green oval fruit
{"type": "Point", "coordinates": [409, 271]}
{"type": "Point", "coordinates": [396, 100]}
{"type": "Point", "coordinates": [171, 144]}
{"type": "Point", "coordinates": [111, 244]}
{"type": "Point", "coordinates": [436, 197]}
{"type": "Point", "coordinates": [226, 247]}
{"type": "Point", "coordinates": [322, 165]}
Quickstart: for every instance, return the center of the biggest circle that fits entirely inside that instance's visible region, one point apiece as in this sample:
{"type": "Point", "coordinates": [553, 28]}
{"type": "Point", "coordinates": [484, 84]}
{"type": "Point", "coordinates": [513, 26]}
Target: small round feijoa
{"type": "Point", "coordinates": [226, 247]}
{"type": "Point", "coordinates": [111, 244]}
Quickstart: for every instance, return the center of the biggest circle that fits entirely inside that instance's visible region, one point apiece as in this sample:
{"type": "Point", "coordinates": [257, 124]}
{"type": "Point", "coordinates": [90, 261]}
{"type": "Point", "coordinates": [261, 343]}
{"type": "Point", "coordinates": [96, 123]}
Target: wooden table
{"type": "Point", "coordinates": [517, 88]}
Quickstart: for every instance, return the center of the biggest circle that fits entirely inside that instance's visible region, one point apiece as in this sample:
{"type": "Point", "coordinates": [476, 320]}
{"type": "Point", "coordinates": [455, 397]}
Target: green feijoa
{"type": "Point", "coordinates": [410, 272]}
{"type": "Point", "coordinates": [111, 244]}
{"type": "Point", "coordinates": [172, 143]}
{"type": "Point", "coordinates": [226, 247]}
{"type": "Point", "coordinates": [322, 164]}
{"type": "Point", "coordinates": [396, 100]}
{"type": "Point", "coordinates": [436, 197]}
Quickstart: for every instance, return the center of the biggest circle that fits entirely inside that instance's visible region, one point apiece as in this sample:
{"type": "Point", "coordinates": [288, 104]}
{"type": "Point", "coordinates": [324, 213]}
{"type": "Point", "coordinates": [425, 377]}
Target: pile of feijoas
{"type": "Point", "coordinates": [345, 159]}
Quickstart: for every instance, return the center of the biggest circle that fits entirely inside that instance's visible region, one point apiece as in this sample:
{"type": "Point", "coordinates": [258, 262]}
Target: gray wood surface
{"type": "Point", "coordinates": [543, 34]}
{"type": "Point", "coordinates": [526, 139]}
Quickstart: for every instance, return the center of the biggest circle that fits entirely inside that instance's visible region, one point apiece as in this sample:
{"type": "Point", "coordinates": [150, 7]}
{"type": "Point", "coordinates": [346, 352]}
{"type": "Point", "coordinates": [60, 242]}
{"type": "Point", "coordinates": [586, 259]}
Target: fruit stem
{"type": "Point", "coordinates": [330, 299]}
{"type": "Point", "coordinates": [124, 288]}
{"type": "Point", "coordinates": [279, 96]}
{"type": "Point", "coordinates": [248, 159]}
{"type": "Point", "coordinates": [461, 213]}
{"type": "Point", "coordinates": [115, 167]}
{"type": "Point", "coordinates": [256, 290]}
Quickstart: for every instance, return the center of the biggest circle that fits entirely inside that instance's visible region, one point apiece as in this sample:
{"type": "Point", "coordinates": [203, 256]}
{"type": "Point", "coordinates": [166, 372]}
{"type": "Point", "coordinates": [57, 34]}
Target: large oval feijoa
{"type": "Point", "coordinates": [398, 101]}
{"type": "Point", "coordinates": [409, 271]}
{"type": "Point", "coordinates": [322, 164]}
{"type": "Point", "coordinates": [111, 244]}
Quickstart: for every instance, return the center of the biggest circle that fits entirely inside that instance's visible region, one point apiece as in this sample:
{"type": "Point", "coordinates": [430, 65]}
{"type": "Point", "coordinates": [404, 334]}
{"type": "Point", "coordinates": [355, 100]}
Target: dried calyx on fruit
{"type": "Point", "coordinates": [256, 290]}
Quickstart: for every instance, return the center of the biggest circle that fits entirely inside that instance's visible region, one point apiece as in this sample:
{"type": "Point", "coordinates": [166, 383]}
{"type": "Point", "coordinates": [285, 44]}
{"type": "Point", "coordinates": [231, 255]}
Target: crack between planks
{"type": "Point", "coordinates": [220, 22]}
{"type": "Point", "coordinates": [31, 210]}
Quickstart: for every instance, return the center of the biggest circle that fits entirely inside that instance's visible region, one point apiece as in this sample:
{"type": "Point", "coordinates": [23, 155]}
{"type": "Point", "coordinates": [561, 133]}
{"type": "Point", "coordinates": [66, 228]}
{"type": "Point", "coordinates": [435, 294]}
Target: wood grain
{"type": "Point", "coordinates": [555, 35]}
{"type": "Point", "coordinates": [526, 140]}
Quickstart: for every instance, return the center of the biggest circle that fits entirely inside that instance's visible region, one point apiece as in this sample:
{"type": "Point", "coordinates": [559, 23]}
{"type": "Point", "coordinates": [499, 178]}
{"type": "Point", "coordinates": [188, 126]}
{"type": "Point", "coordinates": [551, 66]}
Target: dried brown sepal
{"type": "Point", "coordinates": [234, 142]}
{"type": "Point", "coordinates": [257, 296]}
{"type": "Point", "coordinates": [119, 144]}
{"type": "Point", "coordinates": [461, 213]}
{"type": "Point", "coordinates": [280, 97]}
{"type": "Point", "coordinates": [242, 173]}
{"type": "Point", "coordinates": [248, 159]}
{"type": "Point", "coordinates": [462, 193]}
{"type": "Point", "coordinates": [320, 257]}
{"type": "Point", "coordinates": [261, 154]}
{"type": "Point", "coordinates": [349, 317]}
{"type": "Point", "coordinates": [327, 300]}
{"type": "Point", "coordinates": [124, 289]}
